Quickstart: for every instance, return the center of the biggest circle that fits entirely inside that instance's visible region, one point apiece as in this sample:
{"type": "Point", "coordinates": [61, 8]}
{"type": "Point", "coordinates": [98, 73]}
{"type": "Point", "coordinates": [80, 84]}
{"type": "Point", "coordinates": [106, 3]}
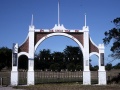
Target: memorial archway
{"type": "Point", "coordinates": [81, 37]}
{"type": "Point", "coordinates": [36, 36]}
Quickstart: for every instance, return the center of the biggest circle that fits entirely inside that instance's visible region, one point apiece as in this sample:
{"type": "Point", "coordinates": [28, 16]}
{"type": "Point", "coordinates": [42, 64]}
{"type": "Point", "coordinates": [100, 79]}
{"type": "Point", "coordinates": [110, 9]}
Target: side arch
{"type": "Point", "coordinates": [94, 53]}
{"type": "Point", "coordinates": [60, 34]}
{"type": "Point", "coordinates": [23, 53]}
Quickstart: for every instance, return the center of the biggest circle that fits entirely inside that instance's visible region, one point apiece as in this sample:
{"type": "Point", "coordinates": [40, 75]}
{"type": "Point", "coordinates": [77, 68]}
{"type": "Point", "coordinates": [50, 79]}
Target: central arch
{"type": "Point", "coordinates": [60, 34]}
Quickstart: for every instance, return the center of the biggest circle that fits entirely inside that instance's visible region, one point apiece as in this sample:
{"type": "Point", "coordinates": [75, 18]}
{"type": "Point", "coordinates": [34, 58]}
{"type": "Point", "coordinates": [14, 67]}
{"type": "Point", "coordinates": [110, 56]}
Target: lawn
{"type": "Point", "coordinates": [47, 81]}
{"type": "Point", "coordinates": [69, 86]}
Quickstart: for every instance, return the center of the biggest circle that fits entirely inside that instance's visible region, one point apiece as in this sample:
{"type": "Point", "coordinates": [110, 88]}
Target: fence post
{"type": "Point", "coordinates": [1, 80]}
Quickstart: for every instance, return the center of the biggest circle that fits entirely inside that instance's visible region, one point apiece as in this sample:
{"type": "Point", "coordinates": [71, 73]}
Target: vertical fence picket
{"type": "Point", "coordinates": [57, 76]}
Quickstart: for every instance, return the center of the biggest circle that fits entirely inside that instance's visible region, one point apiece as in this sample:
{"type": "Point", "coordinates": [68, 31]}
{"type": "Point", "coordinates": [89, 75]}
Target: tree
{"type": "Point", "coordinates": [117, 66]}
{"type": "Point", "coordinates": [71, 67]}
{"type": "Point", "coordinates": [74, 54]}
{"type": "Point", "coordinates": [79, 67]}
{"type": "Point", "coordinates": [58, 56]}
{"type": "Point", "coordinates": [42, 59]}
{"type": "Point", "coordinates": [96, 67]}
{"type": "Point", "coordinates": [55, 67]}
{"type": "Point", "coordinates": [108, 66]}
{"type": "Point", "coordinates": [5, 57]}
{"type": "Point", "coordinates": [113, 36]}
{"type": "Point", "coordinates": [47, 60]}
{"type": "Point", "coordinates": [44, 54]}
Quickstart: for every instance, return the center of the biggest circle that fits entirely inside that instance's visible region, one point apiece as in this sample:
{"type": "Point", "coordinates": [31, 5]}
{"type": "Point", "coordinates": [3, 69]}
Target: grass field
{"type": "Point", "coordinates": [48, 77]}
{"type": "Point", "coordinates": [69, 86]}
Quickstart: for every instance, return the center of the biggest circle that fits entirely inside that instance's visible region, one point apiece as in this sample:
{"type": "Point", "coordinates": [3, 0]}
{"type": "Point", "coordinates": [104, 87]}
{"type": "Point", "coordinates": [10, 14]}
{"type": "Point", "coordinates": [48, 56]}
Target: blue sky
{"type": "Point", "coordinates": [15, 18]}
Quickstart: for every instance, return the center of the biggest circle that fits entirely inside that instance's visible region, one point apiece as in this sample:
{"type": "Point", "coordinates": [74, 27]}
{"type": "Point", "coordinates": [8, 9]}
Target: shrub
{"type": "Point", "coordinates": [71, 67]}
{"type": "Point", "coordinates": [78, 67]}
{"type": "Point", "coordinates": [55, 67]}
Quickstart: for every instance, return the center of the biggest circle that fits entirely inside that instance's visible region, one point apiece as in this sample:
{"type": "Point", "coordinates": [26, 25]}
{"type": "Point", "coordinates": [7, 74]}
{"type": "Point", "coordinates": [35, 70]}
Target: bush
{"type": "Point", "coordinates": [78, 67]}
{"type": "Point", "coordinates": [115, 79]}
{"type": "Point", "coordinates": [71, 67]}
{"type": "Point", "coordinates": [55, 67]}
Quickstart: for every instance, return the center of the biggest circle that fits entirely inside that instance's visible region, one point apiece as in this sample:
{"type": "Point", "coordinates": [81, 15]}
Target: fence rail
{"type": "Point", "coordinates": [4, 78]}
{"type": "Point", "coordinates": [53, 76]}
{"type": "Point", "coordinates": [57, 77]}
{"type": "Point", "coordinates": [22, 77]}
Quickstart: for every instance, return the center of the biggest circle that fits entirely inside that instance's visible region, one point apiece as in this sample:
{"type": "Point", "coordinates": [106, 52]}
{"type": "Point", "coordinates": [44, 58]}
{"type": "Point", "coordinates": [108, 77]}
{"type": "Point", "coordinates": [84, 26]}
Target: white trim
{"type": "Point", "coordinates": [23, 53]}
{"type": "Point", "coordinates": [58, 30]}
{"type": "Point", "coordinates": [94, 53]}
{"type": "Point", "coordinates": [61, 34]}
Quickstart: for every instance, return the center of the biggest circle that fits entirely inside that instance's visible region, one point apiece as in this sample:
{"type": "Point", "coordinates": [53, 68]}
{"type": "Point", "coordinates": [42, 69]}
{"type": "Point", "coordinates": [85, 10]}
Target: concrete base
{"type": "Point", "coordinates": [14, 78]}
{"type": "Point", "coordinates": [30, 78]}
{"type": "Point", "coordinates": [102, 77]}
{"type": "Point", "coordinates": [86, 78]}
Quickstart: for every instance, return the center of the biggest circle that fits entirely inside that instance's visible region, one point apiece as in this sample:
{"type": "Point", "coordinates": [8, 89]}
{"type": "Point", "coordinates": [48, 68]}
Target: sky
{"type": "Point", "coordinates": [15, 18]}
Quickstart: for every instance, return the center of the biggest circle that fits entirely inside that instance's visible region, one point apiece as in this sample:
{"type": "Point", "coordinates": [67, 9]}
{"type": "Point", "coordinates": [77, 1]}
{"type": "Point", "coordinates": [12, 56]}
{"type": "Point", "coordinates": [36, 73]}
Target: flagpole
{"type": "Point", "coordinates": [58, 13]}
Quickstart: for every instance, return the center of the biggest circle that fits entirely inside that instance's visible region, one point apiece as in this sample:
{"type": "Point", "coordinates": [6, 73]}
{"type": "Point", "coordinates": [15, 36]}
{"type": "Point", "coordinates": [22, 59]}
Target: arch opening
{"type": "Point", "coordinates": [23, 62]}
{"type": "Point", "coordinates": [94, 66]}
{"type": "Point", "coordinates": [59, 63]}
{"type": "Point", "coordinates": [22, 67]}
{"type": "Point", "coordinates": [58, 50]}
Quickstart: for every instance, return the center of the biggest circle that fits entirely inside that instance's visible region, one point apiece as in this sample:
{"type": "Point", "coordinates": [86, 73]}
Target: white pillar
{"type": "Point", "coordinates": [86, 71]}
{"type": "Point", "coordinates": [101, 71]}
{"type": "Point", "coordinates": [30, 74]}
{"type": "Point", "coordinates": [14, 72]}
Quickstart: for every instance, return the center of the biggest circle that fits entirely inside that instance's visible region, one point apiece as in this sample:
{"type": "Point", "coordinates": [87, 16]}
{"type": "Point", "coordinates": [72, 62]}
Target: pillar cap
{"type": "Point", "coordinates": [101, 46]}
{"type": "Point", "coordinates": [32, 28]}
{"type": "Point", "coordinates": [85, 28]}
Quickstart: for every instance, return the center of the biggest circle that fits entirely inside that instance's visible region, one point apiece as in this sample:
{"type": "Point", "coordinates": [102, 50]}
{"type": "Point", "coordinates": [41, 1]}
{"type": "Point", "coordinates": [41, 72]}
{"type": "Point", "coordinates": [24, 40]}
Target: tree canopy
{"type": "Point", "coordinates": [113, 36]}
{"type": "Point", "coordinates": [71, 58]}
{"type": "Point", "coordinates": [5, 57]}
